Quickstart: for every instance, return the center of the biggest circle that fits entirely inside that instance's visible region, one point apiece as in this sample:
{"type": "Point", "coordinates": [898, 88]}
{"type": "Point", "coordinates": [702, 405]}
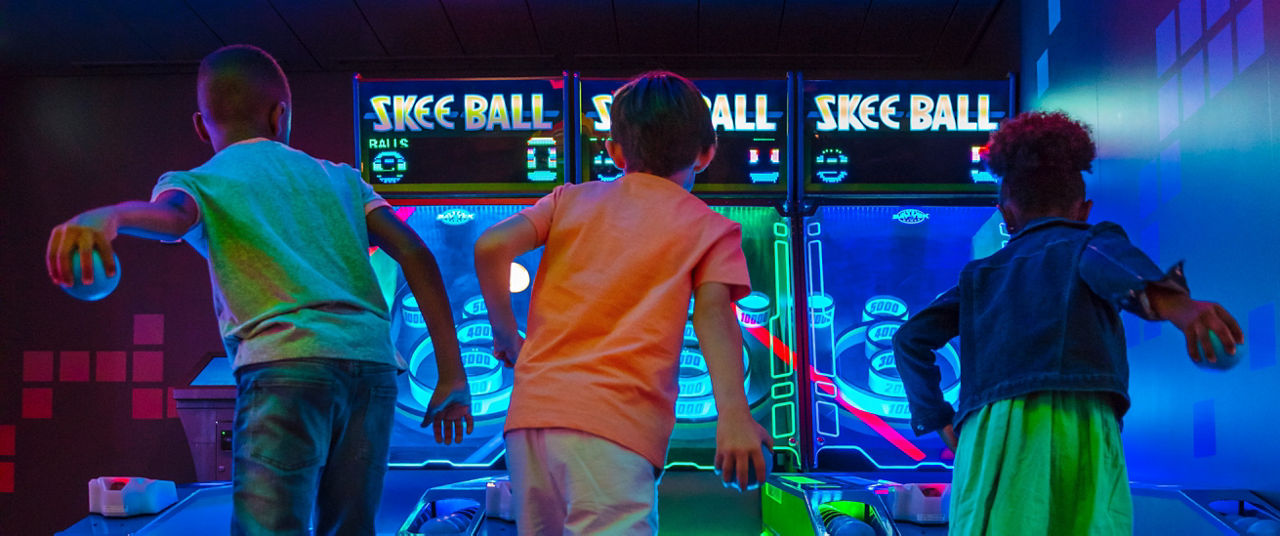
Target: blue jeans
{"type": "Point", "coordinates": [310, 432]}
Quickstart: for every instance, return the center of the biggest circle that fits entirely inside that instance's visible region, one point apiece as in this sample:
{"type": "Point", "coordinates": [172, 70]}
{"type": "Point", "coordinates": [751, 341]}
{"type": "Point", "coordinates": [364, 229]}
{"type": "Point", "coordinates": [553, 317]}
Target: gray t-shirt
{"type": "Point", "coordinates": [288, 250]}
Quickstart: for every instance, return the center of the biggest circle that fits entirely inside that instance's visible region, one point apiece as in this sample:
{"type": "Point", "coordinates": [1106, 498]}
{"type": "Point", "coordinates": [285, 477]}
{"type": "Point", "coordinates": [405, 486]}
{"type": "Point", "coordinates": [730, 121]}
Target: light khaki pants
{"type": "Point", "coordinates": [572, 483]}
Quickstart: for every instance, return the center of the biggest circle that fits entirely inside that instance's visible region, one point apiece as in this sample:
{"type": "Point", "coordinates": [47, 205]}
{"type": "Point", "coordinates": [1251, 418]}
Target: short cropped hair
{"type": "Point", "coordinates": [1040, 157]}
{"type": "Point", "coordinates": [662, 123]}
{"type": "Point", "coordinates": [239, 83]}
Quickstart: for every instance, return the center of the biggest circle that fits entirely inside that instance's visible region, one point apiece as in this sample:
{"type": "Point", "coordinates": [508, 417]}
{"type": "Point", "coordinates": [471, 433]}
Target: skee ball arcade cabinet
{"type": "Point", "coordinates": [894, 203]}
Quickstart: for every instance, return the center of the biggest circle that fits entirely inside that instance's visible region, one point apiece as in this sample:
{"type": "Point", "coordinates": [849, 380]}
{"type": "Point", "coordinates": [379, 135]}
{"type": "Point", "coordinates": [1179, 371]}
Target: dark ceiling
{"type": "Point", "coordinates": [78, 37]}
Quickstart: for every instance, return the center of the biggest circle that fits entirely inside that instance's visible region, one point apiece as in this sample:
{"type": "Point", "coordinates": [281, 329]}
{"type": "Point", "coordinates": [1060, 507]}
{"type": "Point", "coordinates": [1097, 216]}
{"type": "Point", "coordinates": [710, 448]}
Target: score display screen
{"type": "Point", "coordinates": [900, 136]}
{"type": "Point", "coordinates": [461, 136]}
{"type": "Point", "coordinates": [750, 117]}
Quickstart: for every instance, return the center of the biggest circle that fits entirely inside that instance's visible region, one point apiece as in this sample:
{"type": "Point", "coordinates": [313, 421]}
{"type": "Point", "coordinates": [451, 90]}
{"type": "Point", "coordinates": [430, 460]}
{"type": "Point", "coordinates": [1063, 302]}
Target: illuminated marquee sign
{"type": "Point", "coordinates": [900, 137]}
{"type": "Point", "coordinates": [411, 113]}
{"type": "Point", "coordinates": [729, 113]}
{"type": "Point", "coordinates": [924, 112]}
{"type": "Point", "coordinates": [750, 118]}
{"type": "Point", "coordinates": [461, 136]}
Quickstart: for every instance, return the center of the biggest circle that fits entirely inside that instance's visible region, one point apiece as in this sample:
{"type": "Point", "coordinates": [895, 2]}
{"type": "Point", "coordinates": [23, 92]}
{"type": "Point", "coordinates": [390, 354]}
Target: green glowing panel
{"type": "Point", "coordinates": [767, 320]}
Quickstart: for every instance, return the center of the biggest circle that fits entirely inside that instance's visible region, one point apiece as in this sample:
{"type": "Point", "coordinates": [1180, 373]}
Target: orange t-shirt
{"type": "Point", "coordinates": [609, 306]}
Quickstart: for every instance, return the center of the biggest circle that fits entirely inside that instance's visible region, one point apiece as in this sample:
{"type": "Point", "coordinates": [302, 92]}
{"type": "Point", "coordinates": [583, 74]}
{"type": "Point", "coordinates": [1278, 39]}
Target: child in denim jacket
{"type": "Point", "coordinates": [1042, 357]}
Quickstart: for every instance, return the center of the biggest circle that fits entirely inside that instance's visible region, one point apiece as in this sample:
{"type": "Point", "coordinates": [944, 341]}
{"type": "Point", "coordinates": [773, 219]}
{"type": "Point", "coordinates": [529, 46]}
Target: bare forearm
{"type": "Point", "coordinates": [163, 221]}
{"type": "Point", "coordinates": [496, 249]}
{"type": "Point", "coordinates": [423, 276]}
{"type": "Point", "coordinates": [167, 218]}
{"type": "Point", "coordinates": [1166, 303]}
{"type": "Point", "coordinates": [493, 269]}
{"type": "Point", "coordinates": [738, 436]}
{"type": "Point", "coordinates": [721, 343]}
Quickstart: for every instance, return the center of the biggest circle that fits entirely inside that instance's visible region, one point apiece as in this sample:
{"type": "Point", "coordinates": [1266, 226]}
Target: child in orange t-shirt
{"type": "Point", "coordinates": [595, 383]}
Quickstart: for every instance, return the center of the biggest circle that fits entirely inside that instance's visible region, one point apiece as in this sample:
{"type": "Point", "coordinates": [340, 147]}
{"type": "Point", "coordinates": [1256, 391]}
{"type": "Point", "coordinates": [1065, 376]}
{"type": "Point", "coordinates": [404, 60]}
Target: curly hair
{"type": "Point", "coordinates": [1039, 157]}
{"type": "Point", "coordinates": [662, 122]}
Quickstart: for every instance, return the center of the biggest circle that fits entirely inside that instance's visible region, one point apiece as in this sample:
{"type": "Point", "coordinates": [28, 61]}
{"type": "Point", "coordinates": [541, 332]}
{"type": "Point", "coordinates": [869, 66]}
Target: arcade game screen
{"type": "Point", "coordinates": [912, 137]}
{"type": "Point", "coordinates": [750, 117]}
{"type": "Point", "coordinates": [869, 269]}
{"type": "Point", "coordinates": [461, 136]}
{"type": "Point", "coordinates": [451, 231]}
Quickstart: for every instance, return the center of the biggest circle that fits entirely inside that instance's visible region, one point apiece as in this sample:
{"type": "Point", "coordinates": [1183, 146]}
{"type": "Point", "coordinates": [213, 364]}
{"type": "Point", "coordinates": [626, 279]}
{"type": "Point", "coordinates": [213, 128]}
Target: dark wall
{"type": "Point", "coordinates": [86, 386]}
{"type": "Point", "coordinates": [1182, 98]}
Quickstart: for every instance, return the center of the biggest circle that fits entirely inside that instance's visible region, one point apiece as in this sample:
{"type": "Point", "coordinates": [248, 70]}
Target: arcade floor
{"type": "Point", "coordinates": [694, 503]}
{"type": "Point", "coordinates": [689, 503]}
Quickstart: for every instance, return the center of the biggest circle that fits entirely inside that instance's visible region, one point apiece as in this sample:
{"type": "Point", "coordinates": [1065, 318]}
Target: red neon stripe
{"type": "Point", "coordinates": [876, 423]}
{"type": "Point", "coordinates": [870, 419]}
{"type": "Point", "coordinates": [779, 348]}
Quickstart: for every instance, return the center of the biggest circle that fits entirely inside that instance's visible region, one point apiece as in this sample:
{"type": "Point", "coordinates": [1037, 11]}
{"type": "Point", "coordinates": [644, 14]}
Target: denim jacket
{"type": "Point", "coordinates": [1042, 314]}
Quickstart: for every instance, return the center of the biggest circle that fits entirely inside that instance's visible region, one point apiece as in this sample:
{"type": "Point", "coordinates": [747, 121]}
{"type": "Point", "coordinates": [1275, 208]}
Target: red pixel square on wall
{"type": "Point", "coordinates": [6, 477]}
{"type": "Point", "coordinates": [37, 366]}
{"type": "Point", "coordinates": [111, 366]}
{"type": "Point", "coordinates": [148, 329]}
{"type": "Point", "coordinates": [37, 403]}
{"type": "Point", "coordinates": [73, 366]}
{"type": "Point", "coordinates": [148, 403]}
{"type": "Point", "coordinates": [8, 443]}
{"type": "Point", "coordinates": [171, 405]}
{"type": "Point", "coordinates": [148, 366]}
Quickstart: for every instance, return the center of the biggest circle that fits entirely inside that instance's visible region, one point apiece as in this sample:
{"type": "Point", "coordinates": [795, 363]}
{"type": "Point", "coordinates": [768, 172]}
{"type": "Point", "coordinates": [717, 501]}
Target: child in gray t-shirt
{"type": "Point", "coordinates": [286, 237]}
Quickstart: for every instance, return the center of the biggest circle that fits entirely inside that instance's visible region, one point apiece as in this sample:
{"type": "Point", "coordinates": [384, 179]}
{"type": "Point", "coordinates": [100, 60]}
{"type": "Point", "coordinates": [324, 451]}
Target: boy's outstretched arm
{"type": "Point", "coordinates": [496, 249]}
{"type": "Point", "coordinates": [913, 350]}
{"type": "Point", "coordinates": [450, 407]}
{"type": "Point", "coordinates": [167, 218]}
{"type": "Point", "coordinates": [738, 435]}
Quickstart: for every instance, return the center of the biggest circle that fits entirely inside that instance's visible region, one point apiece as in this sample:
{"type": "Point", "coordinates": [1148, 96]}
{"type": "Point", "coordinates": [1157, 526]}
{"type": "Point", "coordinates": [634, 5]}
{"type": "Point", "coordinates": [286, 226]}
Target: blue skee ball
{"type": "Point", "coordinates": [1265, 527]}
{"type": "Point", "coordinates": [753, 480]}
{"type": "Point", "coordinates": [1243, 524]}
{"type": "Point", "coordinates": [101, 286]}
{"type": "Point", "coordinates": [848, 526]}
{"type": "Point", "coordinates": [838, 523]}
{"type": "Point", "coordinates": [1224, 361]}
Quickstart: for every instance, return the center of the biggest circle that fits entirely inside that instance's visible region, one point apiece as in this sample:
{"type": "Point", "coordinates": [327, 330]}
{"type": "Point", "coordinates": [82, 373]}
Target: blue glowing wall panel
{"type": "Point", "coordinates": [1180, 95]}
{"type": "Point", "coordinates": [766, 317]}
{"type": "Point", "coordinates": [868, 269]}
